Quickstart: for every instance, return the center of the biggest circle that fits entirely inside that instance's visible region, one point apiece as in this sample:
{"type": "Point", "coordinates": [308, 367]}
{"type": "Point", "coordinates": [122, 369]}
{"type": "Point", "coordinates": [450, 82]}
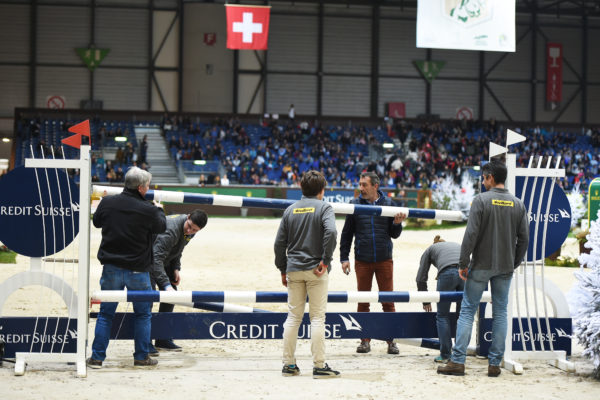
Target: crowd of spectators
{"type": "Point", "coordinates": [278, 151]}
{"type": "Point", "coordinates": [424, 154]}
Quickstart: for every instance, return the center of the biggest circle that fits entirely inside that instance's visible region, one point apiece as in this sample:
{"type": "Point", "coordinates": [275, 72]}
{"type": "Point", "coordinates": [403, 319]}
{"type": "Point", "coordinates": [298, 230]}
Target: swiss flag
{"type": "Point", "coordinates": [247, 27]}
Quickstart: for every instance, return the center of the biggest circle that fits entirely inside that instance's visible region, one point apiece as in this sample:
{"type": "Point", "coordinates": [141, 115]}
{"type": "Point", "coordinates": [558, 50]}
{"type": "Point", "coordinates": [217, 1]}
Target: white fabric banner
{"type": "Point", "coordinates": [487, 25]}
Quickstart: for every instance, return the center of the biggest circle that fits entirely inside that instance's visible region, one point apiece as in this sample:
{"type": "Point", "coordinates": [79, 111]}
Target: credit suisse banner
{"type": "Point", "coordinates": [554, 70]}
{"type": "Point", "coordinates": [487, 25]}
{"type": "Point", "coordinates": [39, 211]}
{"type": "Point", "coordinates": [557, 216]}
{"type": "Point", "coordinates": [247, 27]}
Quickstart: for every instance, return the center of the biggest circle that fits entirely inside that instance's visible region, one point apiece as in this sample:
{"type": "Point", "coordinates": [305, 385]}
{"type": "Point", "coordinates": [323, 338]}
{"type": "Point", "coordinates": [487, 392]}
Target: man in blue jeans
{"type": "Point", "coordinates": [128, 224]}
{"type": "Point", "coordinates": [497, 237]}
{"type": "Point", "coordinates": [444, 256]}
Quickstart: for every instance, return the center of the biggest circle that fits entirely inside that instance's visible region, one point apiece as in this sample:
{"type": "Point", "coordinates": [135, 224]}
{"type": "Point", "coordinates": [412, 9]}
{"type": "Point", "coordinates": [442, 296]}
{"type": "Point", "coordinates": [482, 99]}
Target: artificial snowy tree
{"type": "Point", "coordinates": [578, 205]}
{"type": "Point", "coordinates": [449, 196]}
{"type": "Point", "coordinates": [585, 300]}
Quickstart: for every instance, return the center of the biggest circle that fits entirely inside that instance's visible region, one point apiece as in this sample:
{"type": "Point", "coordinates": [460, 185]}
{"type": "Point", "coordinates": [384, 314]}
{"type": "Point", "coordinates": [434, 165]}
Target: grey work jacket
{"type": "Point", "coordinates": [167, 249]}
{"type": "Point", "coordinates": [441, 255]}
{"type": "Point", "coordinates": [497, 233]}
{"type": "Point", "coordinates": [306, 236]}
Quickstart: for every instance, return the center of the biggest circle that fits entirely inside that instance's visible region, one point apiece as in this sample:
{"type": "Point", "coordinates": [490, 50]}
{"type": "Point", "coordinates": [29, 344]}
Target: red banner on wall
{"type": "Point", "coordinates": [554, 80]}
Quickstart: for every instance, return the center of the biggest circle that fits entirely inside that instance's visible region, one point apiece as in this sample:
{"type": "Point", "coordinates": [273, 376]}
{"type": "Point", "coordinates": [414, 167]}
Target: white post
{"type": "Point", "coordinates": [84, 167]}
{"type": "Point", "coordinates": [84, 259]}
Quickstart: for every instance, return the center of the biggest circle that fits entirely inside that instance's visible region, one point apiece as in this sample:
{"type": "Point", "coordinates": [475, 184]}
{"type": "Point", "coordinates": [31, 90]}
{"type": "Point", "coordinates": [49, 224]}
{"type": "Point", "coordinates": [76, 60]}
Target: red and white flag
{"type": "Point", "coordinates": [247, 27]}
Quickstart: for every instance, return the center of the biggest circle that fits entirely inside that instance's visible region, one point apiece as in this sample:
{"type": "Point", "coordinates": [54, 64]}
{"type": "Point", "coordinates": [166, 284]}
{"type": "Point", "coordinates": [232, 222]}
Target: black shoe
{"type": "Point", "coordinates": [325, 373]}
{"type": "Point", "coordinates": [364, 346]}
{"type": "Point", "coordinates": [95, 364]}
{"type": "Point", "coordinates": [392, 348]}
{"type": "Point", "coordinates": [152, 352]}
{"type": "Point", "coordinates": [148, 362]}
{"type": "Point", "coordinates": [290, 370]}
{"type": "Point", "coordinates": [166, 344]}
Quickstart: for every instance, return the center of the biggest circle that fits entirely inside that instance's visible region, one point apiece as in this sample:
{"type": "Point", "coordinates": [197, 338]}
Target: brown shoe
{"type": "Point", "coordinates": [452, 368]}
{"type": "Point", "coordinates": [494, 371]}
{"type": "Point", "coordinates": [148, 362]}
{"type": "Point", "coordinates": [364, 346]}
{"type": "Point", "coordinates": [392, 349]}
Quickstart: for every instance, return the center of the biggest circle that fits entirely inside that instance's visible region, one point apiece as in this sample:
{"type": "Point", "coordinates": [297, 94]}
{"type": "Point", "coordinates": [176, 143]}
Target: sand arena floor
{"type": "Point", "coordinates": [237, 254]}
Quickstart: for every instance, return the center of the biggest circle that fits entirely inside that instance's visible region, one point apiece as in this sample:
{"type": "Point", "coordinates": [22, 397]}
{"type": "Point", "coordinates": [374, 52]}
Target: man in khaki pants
{"type": "Point", "coordinates": [303, 251]}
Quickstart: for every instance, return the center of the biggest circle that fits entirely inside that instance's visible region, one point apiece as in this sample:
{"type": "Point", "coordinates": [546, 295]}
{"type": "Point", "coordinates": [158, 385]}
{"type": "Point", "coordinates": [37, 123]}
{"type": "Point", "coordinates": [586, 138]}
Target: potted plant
{"type": "Point", "coordinates": [582, 239]}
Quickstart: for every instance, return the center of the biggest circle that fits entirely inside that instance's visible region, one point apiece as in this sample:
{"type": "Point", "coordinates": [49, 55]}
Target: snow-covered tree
{"type": "Point", "coordinates": [585, 300]}
{"type": "Point", "coordinates": [578, 205]}
{"type": "Point", "coordinates": [449, 196]}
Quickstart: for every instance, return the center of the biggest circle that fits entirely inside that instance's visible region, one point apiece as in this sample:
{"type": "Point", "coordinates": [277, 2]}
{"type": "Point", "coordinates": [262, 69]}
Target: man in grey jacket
{"type": "Point", "coordinates": [497, 237]}
{"type": "Point", "coordinates": [167, 250]}
{"type": "Point", "coordinates": [303, 251]}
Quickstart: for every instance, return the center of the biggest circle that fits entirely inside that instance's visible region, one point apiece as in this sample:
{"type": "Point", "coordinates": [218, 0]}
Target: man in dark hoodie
{"type": "Point", "coordinates": [372, 248]}
{"type": "Point", "coordinates": [168, 248]}
{"type": "Point", "coordinates": [128, 223]}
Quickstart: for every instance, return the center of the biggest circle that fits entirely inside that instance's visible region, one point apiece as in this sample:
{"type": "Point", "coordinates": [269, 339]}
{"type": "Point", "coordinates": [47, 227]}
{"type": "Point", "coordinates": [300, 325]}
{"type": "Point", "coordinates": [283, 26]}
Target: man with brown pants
{"type": "Point", "coordinates": [372, 248]}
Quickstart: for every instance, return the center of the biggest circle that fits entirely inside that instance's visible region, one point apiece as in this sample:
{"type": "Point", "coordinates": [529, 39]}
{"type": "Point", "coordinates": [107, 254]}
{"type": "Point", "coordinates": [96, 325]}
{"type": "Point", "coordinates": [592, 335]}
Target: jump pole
{"type": "Point", "coordinates": [281, 204]}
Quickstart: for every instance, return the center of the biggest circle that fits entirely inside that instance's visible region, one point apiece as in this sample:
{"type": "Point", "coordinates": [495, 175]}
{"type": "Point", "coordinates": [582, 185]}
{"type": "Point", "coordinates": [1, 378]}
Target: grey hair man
{"type": "Point", "coordinates": [129, 224]}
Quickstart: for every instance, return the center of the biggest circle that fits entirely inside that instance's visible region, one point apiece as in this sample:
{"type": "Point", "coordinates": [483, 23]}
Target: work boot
{"type": "Point", "coordinates": [392, 348]}
{"type": "Point", "coordinates": [493, 371]}
{"type": "Point", "coordinates": [364, 346]}
{"type": "Point", "coordinates": [166, 344]}
{"type": "Point", "coordinates": [451, 368]}
{"type": "Point", "coordinates": [92, 363]}
{"type": "Point", "coordinates": [148, 362]}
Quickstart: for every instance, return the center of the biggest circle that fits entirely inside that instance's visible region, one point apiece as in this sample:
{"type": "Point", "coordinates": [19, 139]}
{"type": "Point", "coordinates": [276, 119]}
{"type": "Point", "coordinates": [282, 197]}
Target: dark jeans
{"type": "Point", "coordinates": [115, 278]}
{"type": "Point", "coordinates": [448, 281]}
{"type": "Point", "coordinates": [165, 307]}
{"type": "Point", "coordinates": [384, 274]}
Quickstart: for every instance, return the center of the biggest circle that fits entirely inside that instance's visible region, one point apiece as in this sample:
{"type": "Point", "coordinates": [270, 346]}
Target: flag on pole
{"type": "Point", "coordinates": [247, 27]}
{"type": "Point", "coordinates": [79, 130]}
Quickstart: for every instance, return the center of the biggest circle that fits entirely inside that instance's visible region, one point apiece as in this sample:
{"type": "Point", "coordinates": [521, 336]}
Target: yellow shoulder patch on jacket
{"type": "Point", "coordinates": [503, 203]}
{"type": "Point", "coordinates": [305, 210]}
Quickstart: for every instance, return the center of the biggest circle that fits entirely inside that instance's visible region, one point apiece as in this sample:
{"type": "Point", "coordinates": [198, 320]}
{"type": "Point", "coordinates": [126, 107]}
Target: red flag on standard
{"type": "Point", "coordinates": [247, 27]}
{"type": "Point", "coordinates": [79, 130]}
{"type": "Point", "coordinates": [82, 128]}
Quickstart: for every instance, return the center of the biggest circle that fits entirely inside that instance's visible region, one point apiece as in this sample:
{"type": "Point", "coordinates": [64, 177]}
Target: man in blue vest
{"type": "Point", "coordinates": [372, 248]}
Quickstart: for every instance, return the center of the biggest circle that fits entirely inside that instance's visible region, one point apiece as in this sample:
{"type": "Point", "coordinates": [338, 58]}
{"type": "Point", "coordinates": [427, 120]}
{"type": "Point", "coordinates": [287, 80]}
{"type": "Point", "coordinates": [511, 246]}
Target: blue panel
{"type": "Point", "coordinates": [20, 333]}
{"type": "Point", "coordinates": [39, 211]}
{"type": "Point", "coordinates": [559, 335]}
{"type": "Point", "coordinates": [558, 217]}
{"type": "Point", "coordinates": [376, 325]}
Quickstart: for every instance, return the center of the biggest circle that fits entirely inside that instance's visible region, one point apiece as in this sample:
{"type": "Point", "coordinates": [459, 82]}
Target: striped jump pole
{"type": "Point", "coordinates": [282, 204]}
{"type": "Point", "coordinates": [275, 297]}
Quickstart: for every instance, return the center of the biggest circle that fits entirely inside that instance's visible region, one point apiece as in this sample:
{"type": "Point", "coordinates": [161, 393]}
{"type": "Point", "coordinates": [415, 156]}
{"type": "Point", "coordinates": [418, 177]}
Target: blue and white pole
{"type": "Point", "coordinates": [282, 204]}
{"type": "Point", "coordinates": [180, 297]}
